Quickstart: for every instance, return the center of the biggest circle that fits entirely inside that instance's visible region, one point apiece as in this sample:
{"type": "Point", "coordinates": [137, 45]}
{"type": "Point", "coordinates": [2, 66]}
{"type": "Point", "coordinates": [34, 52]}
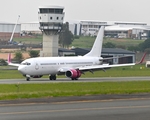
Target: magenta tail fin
{"type": "Point", "coordinates": [142, 59]}
{"type": "Point", "coordinates": [9, 58]}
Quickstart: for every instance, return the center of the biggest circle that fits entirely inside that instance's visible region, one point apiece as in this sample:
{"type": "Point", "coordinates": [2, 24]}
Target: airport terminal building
{"type": "Point", "coordinates": [133, 30]}
{"type": "Point", "coordinates": [6, 30]}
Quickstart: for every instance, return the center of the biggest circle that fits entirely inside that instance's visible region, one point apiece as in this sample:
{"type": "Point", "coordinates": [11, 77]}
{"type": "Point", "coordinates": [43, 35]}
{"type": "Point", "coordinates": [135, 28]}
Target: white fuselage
{"type": "Point", "coordinates": [52, 65]}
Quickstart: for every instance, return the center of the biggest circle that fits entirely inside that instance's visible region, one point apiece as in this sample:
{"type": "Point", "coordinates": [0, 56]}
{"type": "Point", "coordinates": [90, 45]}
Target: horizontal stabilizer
{"type": "Point", "coordinates": [9, 61]}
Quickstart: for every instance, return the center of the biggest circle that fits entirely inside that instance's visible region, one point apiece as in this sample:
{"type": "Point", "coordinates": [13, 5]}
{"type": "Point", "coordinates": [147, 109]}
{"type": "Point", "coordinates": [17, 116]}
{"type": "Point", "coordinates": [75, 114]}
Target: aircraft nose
{"type": "Point", "coordinates": [21, 69]}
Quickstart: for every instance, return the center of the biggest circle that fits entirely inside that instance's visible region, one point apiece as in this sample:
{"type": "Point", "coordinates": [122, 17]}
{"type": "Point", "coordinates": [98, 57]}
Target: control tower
{"type": "Point", "coordinates": [51, 20]}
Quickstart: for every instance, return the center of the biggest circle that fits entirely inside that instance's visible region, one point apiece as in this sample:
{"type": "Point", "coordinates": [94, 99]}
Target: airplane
{"type": "Point", "coordinates": [72, 67]}
{"type": "Point", "coordinates": [142, 59]}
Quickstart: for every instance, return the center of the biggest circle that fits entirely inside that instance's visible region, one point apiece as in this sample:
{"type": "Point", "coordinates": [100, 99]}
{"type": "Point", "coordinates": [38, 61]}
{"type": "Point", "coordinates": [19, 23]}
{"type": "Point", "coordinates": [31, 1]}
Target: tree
{"type": "Point", "coordinates": [144, 45]}
{"type": "Point", "coordinates": [65, 37]}
{"type": "Point", "coordinates": [133, 48]}
{"type": "Point", "coordinates": [33, 53]}
{"type": "Point", "coordinates": [18, 56]}
{"type": "Point", "coordinates": [109, 45]}
{"type": "Point", "coordinates": [3, 62]}
{"type": "Point", "coordinates": [147, 50]}
{"type": "Point", "coordinates": [121, 46]}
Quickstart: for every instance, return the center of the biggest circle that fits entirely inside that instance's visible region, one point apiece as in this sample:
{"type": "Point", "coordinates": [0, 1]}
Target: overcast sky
{"type": "Point", "coordinates": [102, 10]}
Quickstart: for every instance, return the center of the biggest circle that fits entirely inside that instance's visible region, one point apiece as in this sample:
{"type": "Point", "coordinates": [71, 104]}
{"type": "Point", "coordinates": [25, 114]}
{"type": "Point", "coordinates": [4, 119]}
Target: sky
{"type": "Point", "coordinates": [99, 10]}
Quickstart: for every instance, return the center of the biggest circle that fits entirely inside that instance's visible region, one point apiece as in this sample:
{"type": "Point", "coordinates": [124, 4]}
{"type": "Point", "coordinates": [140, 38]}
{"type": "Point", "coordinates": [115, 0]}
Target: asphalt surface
{"type": "Point", "coordinates": [46, 80]}
{"type": "Point", "coordinates": [104, 107]}
{"type": "Point", "coordinates": [134, 108]}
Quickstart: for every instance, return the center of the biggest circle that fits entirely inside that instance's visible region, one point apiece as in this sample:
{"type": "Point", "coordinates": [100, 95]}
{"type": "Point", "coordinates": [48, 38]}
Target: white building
{"type": "Point", "coordinates": [128, 31]}
{"type": "Point", "coordinates": [6, 30]}
{"type": "Point", "coordinates": [32, 27]}
{"type": "Point", "coordinates": [137, 30]}
{"type": "Point", "coordinates": [91, 28]}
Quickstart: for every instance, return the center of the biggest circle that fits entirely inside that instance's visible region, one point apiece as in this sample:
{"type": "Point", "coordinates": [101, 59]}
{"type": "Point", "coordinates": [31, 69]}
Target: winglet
{"type": "Point", "coordinates": [9, 58]}
{"type": "Point", "coordinates": [142, 59]}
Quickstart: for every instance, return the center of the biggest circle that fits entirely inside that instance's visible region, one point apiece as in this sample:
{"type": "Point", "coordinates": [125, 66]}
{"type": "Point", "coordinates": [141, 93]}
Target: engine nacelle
{"type": "Point", "coordinates": [73, 73]}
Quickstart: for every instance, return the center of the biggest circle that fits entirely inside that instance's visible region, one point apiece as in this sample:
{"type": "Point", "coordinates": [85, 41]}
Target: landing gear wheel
{"type": "Point", "coordinates": [74, 78]}
{"type": "Point", "coordinates": [52, 77]}
{"type": "Point", "coordinates": [28, 78]}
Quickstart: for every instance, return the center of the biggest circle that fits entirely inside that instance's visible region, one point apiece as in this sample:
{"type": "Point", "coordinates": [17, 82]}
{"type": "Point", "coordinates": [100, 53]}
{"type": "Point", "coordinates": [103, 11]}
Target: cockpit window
{"type": "Point", "coordinates": [25, 63]}
{"type": "Point", "coordinates": [28, 63]}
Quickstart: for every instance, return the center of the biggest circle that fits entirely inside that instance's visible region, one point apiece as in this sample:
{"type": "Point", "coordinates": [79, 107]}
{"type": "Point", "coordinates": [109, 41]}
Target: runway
{"type": "Point", "coordinates": [46, 80]}
{"type": "Point", "coordinates": [120, 109]}
{"type": "Point", "coordinates": [105, 107]}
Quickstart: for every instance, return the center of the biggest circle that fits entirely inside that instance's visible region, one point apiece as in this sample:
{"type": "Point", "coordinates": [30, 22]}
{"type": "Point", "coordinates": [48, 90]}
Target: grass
{"type": "Point", "coordinates": [125, 42]}
{"type": "Point", "coordinates": [10, 74]}
{"type": "Point", "coordinates": [32, 40]}
{"type": "Point", "coordinates": [44, 90]}
{"type": "Point", "coordinates": [87, 42]}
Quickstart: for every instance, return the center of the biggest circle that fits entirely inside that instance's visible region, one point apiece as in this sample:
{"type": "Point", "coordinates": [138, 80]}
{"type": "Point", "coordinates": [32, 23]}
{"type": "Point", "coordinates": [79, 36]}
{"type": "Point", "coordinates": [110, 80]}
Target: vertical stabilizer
{"type": "Point", "coordinates": [142, 59]}
{"type": "Point", "coordinates": [9, 58]}
{"type": "Point", "coordinates": [97, 46]}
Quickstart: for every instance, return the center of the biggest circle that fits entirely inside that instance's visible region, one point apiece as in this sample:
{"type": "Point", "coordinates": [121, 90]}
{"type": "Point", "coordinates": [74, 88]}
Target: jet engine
{"type": "Point", "coordinates": [73, 73]}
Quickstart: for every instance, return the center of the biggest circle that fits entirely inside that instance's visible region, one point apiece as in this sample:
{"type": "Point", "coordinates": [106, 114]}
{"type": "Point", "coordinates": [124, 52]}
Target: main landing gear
{"type": "Point", "coordinates": [74, 78]}
{"type": "Point", "coordinates": [52, 77]}
{"type": "Point", "coordinates": [28, 78]}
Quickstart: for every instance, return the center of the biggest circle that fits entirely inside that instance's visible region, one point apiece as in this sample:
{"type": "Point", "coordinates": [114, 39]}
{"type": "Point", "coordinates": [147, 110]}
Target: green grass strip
{"type": "Point", "coordinates": [44, 90]}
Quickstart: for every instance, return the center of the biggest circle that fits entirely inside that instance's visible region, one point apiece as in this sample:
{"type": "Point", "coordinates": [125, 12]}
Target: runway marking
{"type": "Point", "coordinates": [71, 110]}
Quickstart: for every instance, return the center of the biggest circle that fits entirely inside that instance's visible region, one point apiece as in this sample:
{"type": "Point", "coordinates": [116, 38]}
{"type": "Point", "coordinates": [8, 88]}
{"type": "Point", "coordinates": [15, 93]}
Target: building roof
{"type": "Point", "coordinates": [125, 27]}
{"type": "Point", "coordinates": [55, 7]}
{"type": "Point", "coordinates": [116, 51]}
{"type": "Point", "coordinates": [83, 51]}
{"type": "Point", "coordinates": [65, 50]}
{"type": "Point", "coordinates": [9, 23]}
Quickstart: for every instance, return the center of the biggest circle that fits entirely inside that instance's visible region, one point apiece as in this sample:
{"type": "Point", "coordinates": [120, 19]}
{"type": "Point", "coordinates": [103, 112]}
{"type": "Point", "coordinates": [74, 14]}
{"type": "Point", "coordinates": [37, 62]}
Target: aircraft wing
{"type": "Point", "coordinates": [104, 66]}
{"type": "Point", "coordinates": [94, 67]}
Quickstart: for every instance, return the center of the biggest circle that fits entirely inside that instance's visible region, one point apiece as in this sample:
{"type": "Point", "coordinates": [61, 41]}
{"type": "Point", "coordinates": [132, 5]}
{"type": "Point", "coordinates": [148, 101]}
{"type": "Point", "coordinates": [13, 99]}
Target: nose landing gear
{"type": "Point", "coordinates": [28, 77]}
